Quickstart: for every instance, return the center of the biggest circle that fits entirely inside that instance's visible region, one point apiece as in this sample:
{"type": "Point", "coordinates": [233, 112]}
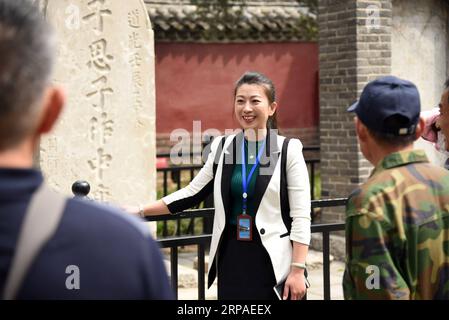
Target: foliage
{"type": "Point", "coordinates": [222, 13]}
{"type": "Point", "coordinates": [220, 8]}
{"type": "Point", "coordinates": [312, 5]}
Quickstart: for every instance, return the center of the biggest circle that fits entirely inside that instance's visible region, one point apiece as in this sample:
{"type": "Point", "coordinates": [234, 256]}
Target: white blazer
{"type": "Point", "coordinates": [269, 185]}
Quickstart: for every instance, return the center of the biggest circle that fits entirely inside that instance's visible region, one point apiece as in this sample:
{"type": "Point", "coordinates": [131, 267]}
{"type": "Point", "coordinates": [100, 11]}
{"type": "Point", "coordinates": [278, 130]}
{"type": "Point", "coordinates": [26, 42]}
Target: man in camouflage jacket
{"type": "Point", "coordinates": [397, 223]}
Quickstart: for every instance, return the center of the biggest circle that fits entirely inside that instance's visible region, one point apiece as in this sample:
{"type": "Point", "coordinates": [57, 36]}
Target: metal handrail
{"type": "Point", "coordinates": [175, 172]}
{"type": "Point", "coordinates": [203, 240]}
{"type": "Point", "coordinates": [197, 154]}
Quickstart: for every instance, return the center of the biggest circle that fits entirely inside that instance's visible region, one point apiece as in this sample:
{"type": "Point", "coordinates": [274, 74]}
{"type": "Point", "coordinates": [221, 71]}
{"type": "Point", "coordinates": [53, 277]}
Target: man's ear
{"type": "Point", "coordinates": [420, 128]}
{"type": "Point", "coordinates": [53, 103]}
{"type": "Point", "coordinates": [360, 129]}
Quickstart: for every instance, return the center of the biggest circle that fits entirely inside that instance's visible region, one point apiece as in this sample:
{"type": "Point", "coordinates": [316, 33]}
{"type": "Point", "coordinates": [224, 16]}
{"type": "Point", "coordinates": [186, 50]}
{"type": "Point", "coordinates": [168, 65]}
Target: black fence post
{"type": "Point", "coordinates": [209, 201]}
{"type": "Point", "coordinates": [174, 270]}
{"type": "Point", "coordinates": [164, 226]}
{"type": "Point", "coordinates": [201, 271]}
{"type": "Point", "coordinates": [326, 267]}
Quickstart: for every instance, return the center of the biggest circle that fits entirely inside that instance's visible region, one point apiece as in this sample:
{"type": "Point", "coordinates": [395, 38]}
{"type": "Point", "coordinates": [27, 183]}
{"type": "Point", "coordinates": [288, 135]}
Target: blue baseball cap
{"type": "Point", "coordinates": [386, 97]}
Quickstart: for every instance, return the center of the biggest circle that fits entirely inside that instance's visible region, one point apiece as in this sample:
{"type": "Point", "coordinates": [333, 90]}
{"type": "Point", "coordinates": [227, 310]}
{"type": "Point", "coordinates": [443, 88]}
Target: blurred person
{"type": "Point", "coordinates": [433, 131]}
{"type": "Point", "coordinates": [52, 247]}
{"type": "Point", "coordinates": [397, 223]}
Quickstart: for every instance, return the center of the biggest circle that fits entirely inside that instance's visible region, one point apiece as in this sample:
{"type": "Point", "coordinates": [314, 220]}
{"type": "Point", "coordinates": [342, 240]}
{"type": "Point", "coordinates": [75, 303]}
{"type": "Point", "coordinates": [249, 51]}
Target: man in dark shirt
{"type": "Point", "coordinates": [96, 252]}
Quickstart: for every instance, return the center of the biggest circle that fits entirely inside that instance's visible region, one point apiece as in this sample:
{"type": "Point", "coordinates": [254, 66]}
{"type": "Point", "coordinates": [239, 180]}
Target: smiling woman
{"type": "Point", "coordinates": [255, 103]}
{"type": "Point", "coordinates": [259, 179]}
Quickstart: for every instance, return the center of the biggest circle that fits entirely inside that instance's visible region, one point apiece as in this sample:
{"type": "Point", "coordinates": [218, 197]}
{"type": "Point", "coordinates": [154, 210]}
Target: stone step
{"type": "Point", "coordinates": [187, 277]}
{"type": "Point", "coordinates": [315, 259]}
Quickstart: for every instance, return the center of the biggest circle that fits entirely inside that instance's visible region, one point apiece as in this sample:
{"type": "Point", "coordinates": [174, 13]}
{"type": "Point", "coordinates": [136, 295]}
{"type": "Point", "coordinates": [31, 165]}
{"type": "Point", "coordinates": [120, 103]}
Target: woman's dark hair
{"type": "Point", "coordinates": [250, 77]}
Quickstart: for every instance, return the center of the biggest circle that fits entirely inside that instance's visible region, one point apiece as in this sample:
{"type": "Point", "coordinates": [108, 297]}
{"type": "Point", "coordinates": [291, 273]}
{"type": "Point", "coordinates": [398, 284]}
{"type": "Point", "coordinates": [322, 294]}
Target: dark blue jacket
{"type": "Point", "coordinates": [114, 253]}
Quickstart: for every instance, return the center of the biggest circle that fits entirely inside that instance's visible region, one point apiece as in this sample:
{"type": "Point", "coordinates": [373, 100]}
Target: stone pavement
{"type": "Point", "coordinates": [188, 275]}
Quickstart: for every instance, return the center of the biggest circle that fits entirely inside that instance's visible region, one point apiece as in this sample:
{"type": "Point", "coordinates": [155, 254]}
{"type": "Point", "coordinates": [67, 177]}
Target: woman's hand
{"type": "Point", "coordinates": [295, 285]}
{"type": "Point", "coordinates": [156, 208]}
{"type": "Point", "coordinates": [134, 210]}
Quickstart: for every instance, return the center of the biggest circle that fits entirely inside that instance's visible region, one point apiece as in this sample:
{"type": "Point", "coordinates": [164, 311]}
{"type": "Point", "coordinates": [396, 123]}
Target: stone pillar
{"type": "Point", "coordinates": [105, 61]}
{"type": "Point", "coordinates": [354, 48]}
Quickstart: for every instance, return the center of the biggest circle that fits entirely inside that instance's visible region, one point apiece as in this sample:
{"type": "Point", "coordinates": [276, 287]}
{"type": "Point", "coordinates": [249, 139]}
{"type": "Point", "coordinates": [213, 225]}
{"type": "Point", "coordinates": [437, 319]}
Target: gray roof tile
{"type": "Point", "coordinates": [257, 21]}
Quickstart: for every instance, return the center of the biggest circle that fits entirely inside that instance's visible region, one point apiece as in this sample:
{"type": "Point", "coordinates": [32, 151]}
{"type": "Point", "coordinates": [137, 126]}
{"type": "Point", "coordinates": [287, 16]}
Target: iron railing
{"type": "Point", "coordinates": [174, 173]}
{"type": "Point", "coordinates": [202, 241]}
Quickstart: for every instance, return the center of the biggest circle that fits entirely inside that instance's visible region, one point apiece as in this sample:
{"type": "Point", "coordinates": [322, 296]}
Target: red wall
{"type": "Point", "coordinates": [196, 82]}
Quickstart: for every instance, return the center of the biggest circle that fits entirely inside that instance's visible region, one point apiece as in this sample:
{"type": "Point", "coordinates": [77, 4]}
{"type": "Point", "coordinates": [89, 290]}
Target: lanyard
{"type": "Point", "coordinates": [245, 181]}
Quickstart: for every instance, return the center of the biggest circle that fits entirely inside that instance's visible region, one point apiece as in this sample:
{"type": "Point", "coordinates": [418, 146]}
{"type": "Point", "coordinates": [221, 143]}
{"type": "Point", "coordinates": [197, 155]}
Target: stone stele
{"type": "Point", "coordinates": [106, 135]}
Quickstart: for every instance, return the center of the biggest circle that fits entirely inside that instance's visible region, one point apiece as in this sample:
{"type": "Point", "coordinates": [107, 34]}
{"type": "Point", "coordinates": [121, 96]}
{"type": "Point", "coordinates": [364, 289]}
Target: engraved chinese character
{"type": "Point", "coordinates": [100, 163]}
{"type": "Point", "coordinates": [101, 130]}
{"type": "Point", "coordinates": [99, 59]}
{"type": "Point", "coordinates": [137, 79]}
{"type": "Point", "coordinates": [101, 193]}
{"type": "Point", "coordinates": [52, 145]}
{"type": "Point", "coordinates": [135, 41]}
{"type": "Point", "coordinates": [134, 18]}
{"type": "Point", "coordinates": [97, 13]}
{"type": "Point", "coordinates": [137, 104]}
{"type": "Point", "coordinates": [135, 60]}
{"type": "Point", "coordinates": [93, 129]}
{"type": "Point", "coordinates": [100, 89]}
{"type": "Point", "coordinates": [52, 163]}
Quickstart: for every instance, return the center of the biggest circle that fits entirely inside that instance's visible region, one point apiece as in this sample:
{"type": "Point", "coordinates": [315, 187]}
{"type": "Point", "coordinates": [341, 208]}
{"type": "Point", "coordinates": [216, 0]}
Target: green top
{"type": "Point", "coordinates": [236, 182]}
{"type": "Point", "coordinates": [397, 227]}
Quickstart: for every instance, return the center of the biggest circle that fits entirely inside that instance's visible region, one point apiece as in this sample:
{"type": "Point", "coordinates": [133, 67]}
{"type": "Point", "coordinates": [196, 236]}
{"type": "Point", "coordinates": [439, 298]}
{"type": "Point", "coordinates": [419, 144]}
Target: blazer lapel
{"type": "Point", "coordinates": [229, 160]}
{"type": "Point", "coordinates": [268, 162]}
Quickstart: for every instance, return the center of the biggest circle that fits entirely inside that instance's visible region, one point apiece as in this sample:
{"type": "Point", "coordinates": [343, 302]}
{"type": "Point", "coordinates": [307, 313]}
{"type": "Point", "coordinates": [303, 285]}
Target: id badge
{"type": "Point", "coordinates": [244, 228]}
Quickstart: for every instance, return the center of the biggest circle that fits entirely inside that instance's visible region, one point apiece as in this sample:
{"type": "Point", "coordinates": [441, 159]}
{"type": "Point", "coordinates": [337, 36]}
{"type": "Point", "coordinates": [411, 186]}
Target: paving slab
{"type": "Point", "coordinates": [188, 276]}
